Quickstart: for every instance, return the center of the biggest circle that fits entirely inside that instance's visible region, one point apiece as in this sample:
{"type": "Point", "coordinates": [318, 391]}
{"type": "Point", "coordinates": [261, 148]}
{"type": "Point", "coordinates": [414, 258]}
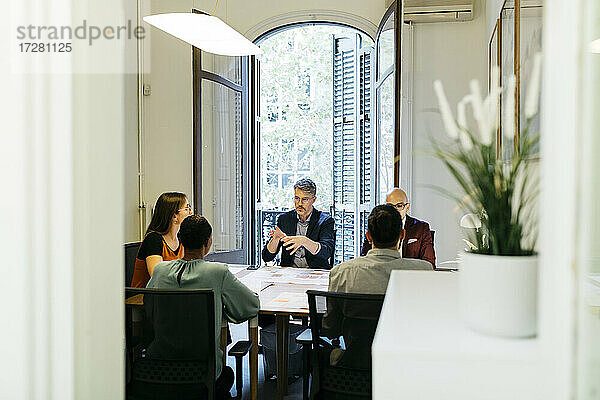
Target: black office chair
{"type": "Point", "coordinates": [131, 250]}
{"type": "Point", "coordinates": [178, 356]}
{"type": "Point", "coordinates": [335, 319]}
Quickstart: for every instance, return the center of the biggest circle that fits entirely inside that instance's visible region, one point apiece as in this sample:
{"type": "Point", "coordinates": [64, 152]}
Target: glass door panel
{"type": "Point", "coordinates": [227, 67]}
{"type": "Point", "coordinates": [387, 127]}
{"type": "Point", "coordinates": [222, 195]}
{"type": "Point", "coordinates": [385, 46]}
{"type": "Point", "coordinates": [385, 112]}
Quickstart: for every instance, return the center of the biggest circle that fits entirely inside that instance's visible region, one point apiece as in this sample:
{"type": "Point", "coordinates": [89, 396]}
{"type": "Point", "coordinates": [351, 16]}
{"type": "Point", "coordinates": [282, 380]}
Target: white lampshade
{"type": "Point", "coordinates": [470, 221]}
{"type": "Point", "coordinates": [204, 31]}
{"type": "Point", "coordinates": [594, 46]}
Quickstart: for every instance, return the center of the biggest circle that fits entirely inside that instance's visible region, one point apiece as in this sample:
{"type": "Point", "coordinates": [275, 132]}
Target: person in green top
{"type": "Point", "coordinates": [232, 298]}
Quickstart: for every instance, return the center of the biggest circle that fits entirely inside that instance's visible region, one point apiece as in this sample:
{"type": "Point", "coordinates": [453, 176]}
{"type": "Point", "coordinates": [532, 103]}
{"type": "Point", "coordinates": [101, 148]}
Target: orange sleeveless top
{"type": "Point", "coordinates": [153, 244]}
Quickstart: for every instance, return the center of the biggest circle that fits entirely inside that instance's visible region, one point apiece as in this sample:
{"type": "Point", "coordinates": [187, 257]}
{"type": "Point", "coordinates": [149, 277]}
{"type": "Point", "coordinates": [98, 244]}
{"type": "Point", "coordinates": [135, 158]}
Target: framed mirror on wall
{"type": "Point", "coordinates": [494, 55]}
{"type": "Point", "coordinates": [530, 43]}
{"type": "Point", "coordinates": [515, 40]}
{"type": "Point", "coordinates": [508, 63]}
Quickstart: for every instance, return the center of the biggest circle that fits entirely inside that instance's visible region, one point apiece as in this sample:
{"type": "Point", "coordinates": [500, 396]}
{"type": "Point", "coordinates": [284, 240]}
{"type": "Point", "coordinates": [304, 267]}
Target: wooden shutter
{"type": "Point", "coordinates": [345, 52]}
{"type": "Point", "coordinates": [353, 144]}
{"type": "Point", "coordinates": [366, 147]}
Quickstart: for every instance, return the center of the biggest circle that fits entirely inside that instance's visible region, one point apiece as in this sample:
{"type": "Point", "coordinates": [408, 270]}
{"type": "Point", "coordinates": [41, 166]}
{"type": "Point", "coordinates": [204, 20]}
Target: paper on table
{"type": "Point", "coordinates": [289, 300]}
{"type": "Point", "coordinates": [312, 277]}
{"type": "Point", "coordinates": [256, 285]}
{"type": "Point", "coordinates": [235, 269]}
{"type": "Point", "coordinates": [297, 276]}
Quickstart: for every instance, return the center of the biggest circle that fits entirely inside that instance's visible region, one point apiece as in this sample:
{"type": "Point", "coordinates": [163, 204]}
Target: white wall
{"type": "Point", "coordinates": [99, 122]}
{"type": "Point", "coordinates": [98, 198]}
{"type": "Point", "coordinates": [131, 160]}
{"type": "Point", "coordinates": [62, 215]}
{"type": "Point", "coordinates": [560, 154]}
{"type": "Point", "coordinates": [167, 117]}
{"type": "Point", "coordinates": [244, 15]}
{"type": "Point", "coordinates": [455, 53]}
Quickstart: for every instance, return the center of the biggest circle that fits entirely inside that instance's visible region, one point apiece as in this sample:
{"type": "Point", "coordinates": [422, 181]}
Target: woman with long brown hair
{"type": "Point", "coordinates": [161, 242]}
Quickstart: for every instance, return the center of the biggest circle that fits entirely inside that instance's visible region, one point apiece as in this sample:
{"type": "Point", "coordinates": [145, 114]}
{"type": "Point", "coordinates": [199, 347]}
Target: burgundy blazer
{"type": "Point", "coordinates": [418, 242]}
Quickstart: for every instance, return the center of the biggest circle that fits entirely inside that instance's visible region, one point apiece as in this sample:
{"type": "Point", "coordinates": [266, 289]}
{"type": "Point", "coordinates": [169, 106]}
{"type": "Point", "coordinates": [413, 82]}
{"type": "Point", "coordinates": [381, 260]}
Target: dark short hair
{"type": "Point", "coordinates": [307, 186]}
{"type": "Point", "coordinates": [194, 232]}
{"type": "Point", "coordinates": [385, 226]}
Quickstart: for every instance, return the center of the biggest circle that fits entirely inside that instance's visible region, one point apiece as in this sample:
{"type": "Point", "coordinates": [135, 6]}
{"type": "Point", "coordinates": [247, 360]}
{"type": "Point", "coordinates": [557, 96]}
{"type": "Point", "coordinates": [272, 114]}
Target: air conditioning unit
{"type": "Point", "coordinates": [438, 10]}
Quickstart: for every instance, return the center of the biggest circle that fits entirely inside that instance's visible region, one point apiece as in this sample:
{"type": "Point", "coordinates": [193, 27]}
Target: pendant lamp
{"type": "Point", "coordinates": [205, 32]}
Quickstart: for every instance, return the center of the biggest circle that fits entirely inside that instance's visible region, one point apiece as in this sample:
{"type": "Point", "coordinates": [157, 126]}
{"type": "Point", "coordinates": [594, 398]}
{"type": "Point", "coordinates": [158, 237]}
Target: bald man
{"type": "Point", "coordinates": [418, 242]}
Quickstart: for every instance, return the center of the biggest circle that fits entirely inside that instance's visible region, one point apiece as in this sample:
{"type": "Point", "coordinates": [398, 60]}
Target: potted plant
{"type": "Point", "coordinates": [498, 273]}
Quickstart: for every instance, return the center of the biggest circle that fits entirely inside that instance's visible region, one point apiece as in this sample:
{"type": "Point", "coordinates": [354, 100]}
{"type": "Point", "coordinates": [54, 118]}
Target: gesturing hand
{"type": "Point", "coordinates": [293, 243]}
{"type": "Point", "coordinates": [276, 234]}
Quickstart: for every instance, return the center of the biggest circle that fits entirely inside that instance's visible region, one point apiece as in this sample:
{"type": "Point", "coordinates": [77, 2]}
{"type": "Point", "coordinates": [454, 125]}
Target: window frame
{"type": "Point", "coordinates": [243, 254]}
{"type": "Point", "coordinates": [255, 134]}
{"type": "Point", "coordinates": [397, 9]}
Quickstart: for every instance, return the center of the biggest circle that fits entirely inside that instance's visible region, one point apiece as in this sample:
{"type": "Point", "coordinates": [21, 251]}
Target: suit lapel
{"type": "Point", "coordinates": [408, 224]}
{"type": "Point", "coordinates": [410, 221]}
{"type": "Point", "coordinates": [314, 221]}
{"type": "Point", "coordinates": [289, 224]}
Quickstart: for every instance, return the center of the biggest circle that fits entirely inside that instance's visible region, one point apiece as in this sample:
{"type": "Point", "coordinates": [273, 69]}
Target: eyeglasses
{"type": "Point", "coordinates": [187, 208]}
{"type": "Point", "coordinates": [304, 200]}
{"type": "Point", "coordinates": [398, 206]}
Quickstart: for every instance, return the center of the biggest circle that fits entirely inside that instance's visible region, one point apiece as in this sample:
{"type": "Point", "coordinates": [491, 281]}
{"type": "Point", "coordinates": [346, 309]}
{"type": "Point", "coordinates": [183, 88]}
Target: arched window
{"type": "Point", "coordinates": [308, 107]}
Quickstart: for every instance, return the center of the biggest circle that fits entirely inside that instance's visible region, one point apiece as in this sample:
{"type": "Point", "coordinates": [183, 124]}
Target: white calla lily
{"type": "Point", "coordinates": [493, 114]}
{"type": "Point", "coordinates": [465, 141]}
{"type": "Point", "coordinates": [479, 113]}
{"type": "Point", "coordinates": [484, 177]}
{"type": "Point", "coordinates": [447, 117]}
{"type": "Point", "coordinates": [461, 115]}
{"type": "Point", "coordinates": [485, 126]}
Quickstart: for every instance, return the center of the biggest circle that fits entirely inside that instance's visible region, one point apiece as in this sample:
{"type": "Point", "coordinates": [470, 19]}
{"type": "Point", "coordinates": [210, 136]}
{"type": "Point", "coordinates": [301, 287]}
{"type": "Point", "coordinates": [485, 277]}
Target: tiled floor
{"type": "Point", "coordinates": [266, 390]}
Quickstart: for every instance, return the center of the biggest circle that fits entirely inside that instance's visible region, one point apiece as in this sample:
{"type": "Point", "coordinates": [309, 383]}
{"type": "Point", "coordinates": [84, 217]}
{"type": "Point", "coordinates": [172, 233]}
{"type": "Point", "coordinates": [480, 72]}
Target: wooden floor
{"type": "Point", "coordinates": [266, 390]}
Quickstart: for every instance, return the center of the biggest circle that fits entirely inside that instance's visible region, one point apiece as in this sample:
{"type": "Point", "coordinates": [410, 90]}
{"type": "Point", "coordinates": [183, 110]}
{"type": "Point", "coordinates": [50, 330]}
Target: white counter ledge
{"type": "Point", "coordinates": [422, 351]}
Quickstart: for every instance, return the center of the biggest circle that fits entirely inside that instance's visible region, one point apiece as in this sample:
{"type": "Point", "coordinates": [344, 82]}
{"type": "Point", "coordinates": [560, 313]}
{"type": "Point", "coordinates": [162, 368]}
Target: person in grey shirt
{"type": "Point", "coordinates": [232, 298]}
{"type": "Point", "coordinates": [368, 275]}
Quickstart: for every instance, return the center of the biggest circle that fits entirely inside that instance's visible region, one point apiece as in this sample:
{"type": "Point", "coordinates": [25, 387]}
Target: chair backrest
{"type": "Point", "coordinates": [131, 250]}
{"type": "Point", "coordinates": [353, 317]}
{"type": "Point", "coordinates": [180, 338]}
{"type": "Point", "coordinates": [182, 321]}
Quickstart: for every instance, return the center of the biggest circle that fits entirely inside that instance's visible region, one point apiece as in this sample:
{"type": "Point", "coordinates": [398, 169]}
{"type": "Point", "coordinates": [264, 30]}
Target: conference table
{"type": "Point", "coordinates": [282, 293]}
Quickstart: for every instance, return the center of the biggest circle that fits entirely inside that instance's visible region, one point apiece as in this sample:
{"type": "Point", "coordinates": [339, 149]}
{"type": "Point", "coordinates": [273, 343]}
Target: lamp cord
{"type": "Point", "coordinates": [216, 4]}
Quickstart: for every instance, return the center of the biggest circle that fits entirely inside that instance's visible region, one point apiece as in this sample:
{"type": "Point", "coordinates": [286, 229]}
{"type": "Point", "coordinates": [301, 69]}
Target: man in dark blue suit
{"type": "Point", "coordinates": [304, 235]}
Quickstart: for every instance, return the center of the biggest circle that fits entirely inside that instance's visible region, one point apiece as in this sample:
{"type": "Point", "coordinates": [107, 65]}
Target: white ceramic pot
{"type": "Point", "coordinates": [498, 294]}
